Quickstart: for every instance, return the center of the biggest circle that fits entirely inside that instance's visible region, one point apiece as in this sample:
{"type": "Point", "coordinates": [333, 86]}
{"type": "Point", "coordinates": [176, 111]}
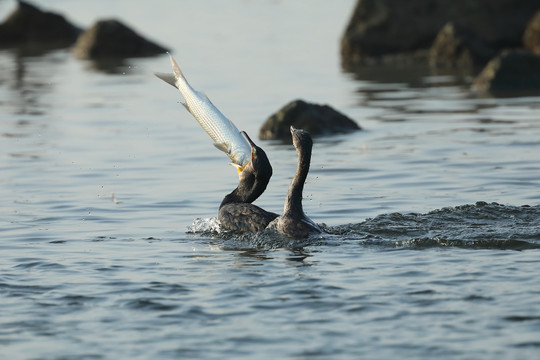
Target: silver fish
{"type": "Point", "coordinates": [225, 134]}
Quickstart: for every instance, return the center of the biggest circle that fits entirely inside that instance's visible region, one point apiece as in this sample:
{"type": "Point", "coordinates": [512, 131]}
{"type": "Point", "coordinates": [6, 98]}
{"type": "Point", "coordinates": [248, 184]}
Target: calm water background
{"type": "Point", "coordinates": [104, 173]}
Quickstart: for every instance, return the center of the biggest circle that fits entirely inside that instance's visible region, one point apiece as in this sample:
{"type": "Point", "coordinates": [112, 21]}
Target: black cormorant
{"type": "Point", "coordinates": [294, 223]}
{"type": "Point", "coordinates": [236, 213]}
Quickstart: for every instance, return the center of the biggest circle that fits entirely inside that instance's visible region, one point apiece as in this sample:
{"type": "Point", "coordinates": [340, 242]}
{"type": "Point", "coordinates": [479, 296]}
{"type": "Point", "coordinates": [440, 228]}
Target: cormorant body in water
{"type": "Point", "coordinates": [236, 213]}
{"type": "Point", "coordinates": [294, 223]}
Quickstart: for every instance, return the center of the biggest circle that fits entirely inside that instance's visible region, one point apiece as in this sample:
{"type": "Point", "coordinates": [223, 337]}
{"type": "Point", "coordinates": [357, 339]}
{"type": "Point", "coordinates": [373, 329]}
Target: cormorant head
{"type": "Point", "coordinates": [254, 177]}
{"type": "Point", "coordinates": [301, 139]}
{"type": "Point", "coordinates": [259, 163]}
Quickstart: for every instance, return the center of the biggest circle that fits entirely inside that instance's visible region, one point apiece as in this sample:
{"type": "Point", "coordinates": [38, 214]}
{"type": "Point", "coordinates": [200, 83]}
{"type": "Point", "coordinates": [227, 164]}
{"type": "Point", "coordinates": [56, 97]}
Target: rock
{"type": "Point", "coordinates": [29, 26]}
{"type": "Point", "coordinates": [456, 46]}
{"type": "Point", "coordinates": [531, 36]}
{"type": "Point", "coordinates": [512, 72]}
{"type": "Point", "coordinates": [379, 28]}
{"type": "Point", "coordinates": [113, 39]}
{"type": "Point", "coordinates": [317, 119]}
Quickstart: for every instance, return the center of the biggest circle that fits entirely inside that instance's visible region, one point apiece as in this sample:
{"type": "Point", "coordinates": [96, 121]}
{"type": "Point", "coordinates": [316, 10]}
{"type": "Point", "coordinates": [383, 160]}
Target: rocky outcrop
{"type": "Point", "coordinates": [512, 72]}
{"type": "Point", "coordinates": [112, 39]}
{"type": "Point", "coordinates": [456, 46]}
{"type": "Point", "coordinates": [29, 26]}
{"type": "Point", "coordinates": [382, 28]}
{"type": "Point", "coordinates": [316, 119]}
{"type": "Point", "coordinates": [531, 36]}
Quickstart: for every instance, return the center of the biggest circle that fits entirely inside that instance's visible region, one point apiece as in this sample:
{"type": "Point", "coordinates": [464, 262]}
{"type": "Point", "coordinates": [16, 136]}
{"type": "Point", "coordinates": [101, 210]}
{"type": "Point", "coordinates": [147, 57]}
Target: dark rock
{"type": "Point", "coordinates": [456, 46]}
{"type": "Point", "coordinates": [510, 73]}
{"type": "Point", "coordinates": [531, 36]}
{"type": "Point", "coordinates": [385, 27]}
{"type": "Point", "coordinates": [29, 26]}
{"type": "Point", "coordinates": [113, 39]}
{"type": "Point", "coordinates": [317, 119]}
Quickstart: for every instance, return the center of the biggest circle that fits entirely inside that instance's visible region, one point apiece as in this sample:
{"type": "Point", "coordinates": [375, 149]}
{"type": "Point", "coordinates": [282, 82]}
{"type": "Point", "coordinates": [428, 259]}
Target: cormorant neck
{"type": "Point", "coordinates": [293, 203]}
{"type": "Point", "coordinates": [243, 194]}
{"type": "Point", "coordinates": [232, 198]}
{"type": "Point", "coordinates": [252, 180]}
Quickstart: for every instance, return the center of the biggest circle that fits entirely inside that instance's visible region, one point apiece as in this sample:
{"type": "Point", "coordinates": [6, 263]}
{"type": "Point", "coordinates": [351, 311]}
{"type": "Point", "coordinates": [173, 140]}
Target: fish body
{"type": "Point", "coordinates": [225, 134]}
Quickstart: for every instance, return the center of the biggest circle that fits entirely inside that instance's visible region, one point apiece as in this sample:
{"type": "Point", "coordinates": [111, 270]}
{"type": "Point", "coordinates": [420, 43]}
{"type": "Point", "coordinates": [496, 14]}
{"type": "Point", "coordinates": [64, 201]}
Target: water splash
{"type": "Point", "coordinates": [205, 226]}
{"type": "Point", "coordinates": [266, 240]}
{"type": "Point", "coordinates": [477, 226]}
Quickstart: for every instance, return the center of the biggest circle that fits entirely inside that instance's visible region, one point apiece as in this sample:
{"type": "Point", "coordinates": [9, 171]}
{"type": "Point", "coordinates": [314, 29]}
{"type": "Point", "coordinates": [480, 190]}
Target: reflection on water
{"type": "Point", "coordinates": [102, 174]}
{"type": "Point", "coordinates": [390, 76]}
{"type": "Point", "coordinates": [25, 88]}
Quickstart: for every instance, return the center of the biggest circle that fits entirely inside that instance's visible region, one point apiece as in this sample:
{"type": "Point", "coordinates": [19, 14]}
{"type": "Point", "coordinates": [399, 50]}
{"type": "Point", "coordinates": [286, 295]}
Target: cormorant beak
{"type": "Point", "coordinates": [251, 143]}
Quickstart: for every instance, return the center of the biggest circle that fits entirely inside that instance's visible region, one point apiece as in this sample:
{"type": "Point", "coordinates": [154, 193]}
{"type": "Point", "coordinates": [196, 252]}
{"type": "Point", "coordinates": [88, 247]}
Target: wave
{"type": "Point", "coordinates": [479, 226]}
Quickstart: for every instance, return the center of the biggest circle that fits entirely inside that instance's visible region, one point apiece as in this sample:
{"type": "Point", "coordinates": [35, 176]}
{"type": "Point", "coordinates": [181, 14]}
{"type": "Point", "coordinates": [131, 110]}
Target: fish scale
{"type": "Point", "coordinates": [225, 134]}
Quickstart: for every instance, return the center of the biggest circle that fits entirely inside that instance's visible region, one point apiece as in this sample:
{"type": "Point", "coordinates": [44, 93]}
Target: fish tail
{"type": "Point", "coordinates": [176, 69]}
{"type": "Point", "coordinates": [173, 78]}
{"type": "Point", "coordinates": [168, 78]}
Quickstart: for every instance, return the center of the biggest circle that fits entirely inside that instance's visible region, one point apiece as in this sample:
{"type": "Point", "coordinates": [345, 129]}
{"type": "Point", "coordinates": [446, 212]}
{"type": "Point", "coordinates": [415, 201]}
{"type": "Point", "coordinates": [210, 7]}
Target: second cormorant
{"type": "Point", "coordinates": [294, 223]}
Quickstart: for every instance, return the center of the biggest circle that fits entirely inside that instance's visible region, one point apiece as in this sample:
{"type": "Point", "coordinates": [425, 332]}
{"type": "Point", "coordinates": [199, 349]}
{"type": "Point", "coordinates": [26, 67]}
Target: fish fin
{"type": "Point", "coordinates": [203, 95]}
{"type": "Point", "coordinates": [168, 78]}
{"type": "Point", "coordinates": [223, 147]}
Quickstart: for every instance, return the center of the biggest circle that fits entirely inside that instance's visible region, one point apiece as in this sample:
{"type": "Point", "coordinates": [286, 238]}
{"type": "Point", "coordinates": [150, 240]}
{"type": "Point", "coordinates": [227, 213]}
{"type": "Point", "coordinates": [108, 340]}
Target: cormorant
{"type": "Point", "coordinates": [294, 223]}
{"type": "Point", "coordinates": [236, 213]}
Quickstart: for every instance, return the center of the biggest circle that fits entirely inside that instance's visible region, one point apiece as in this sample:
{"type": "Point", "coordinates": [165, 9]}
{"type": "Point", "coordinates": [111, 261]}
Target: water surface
{"type": "Point", "coordinates": [432, 211]}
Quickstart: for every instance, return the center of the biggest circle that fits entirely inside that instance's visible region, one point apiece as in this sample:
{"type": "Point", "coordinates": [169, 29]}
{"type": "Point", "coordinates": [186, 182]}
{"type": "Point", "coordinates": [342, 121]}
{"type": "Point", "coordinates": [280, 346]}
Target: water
{"type": "Point", "coordinates": [431, 251]}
